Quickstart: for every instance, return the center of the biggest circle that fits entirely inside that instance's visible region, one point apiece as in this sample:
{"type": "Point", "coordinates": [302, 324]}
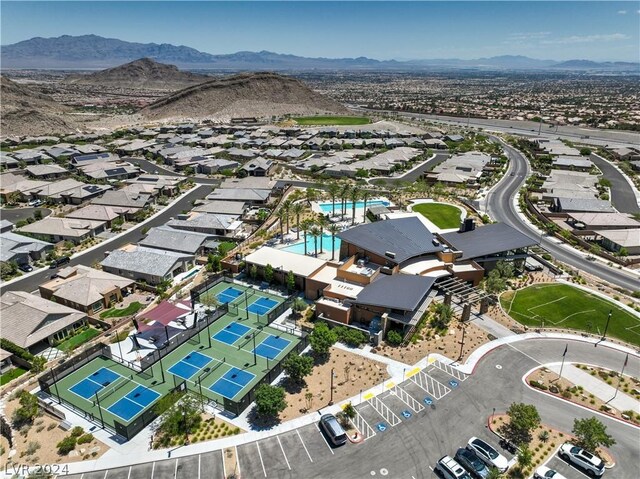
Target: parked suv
{"type": "Point", "coordinates": [56, 263]}
{"type": "Point", "coordinates": [472, 463]}
{"type": "Point", "coordinates": [333, 429]}
{"type": "Point", "coordinates": [489, 455]}
{"type": "Point", "coordinates": [450, 469]}
{"type": "Point", "coordinates": [591, 464]}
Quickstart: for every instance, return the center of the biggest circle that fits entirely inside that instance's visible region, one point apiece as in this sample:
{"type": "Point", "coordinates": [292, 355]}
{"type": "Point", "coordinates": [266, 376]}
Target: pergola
{"type": "Point", "coordinates": [467, 294]}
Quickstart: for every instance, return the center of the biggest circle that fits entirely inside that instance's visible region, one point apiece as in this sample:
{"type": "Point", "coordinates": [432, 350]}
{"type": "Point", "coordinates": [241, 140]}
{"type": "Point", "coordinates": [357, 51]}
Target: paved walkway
{"type": "Point", "coordinates": [485, 322]}
{"type": "Point", "coordinates": [597, 387]}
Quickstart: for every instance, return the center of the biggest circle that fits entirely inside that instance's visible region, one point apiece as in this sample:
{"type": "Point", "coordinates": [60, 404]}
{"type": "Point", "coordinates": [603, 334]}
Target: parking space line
{"type": "Point", "coordinates": [175, 472]}
{"type": "Point", "coordinates": [304, 445]}
{"type": "Point", "coordinates": [153, 469]}
{"type": "Point", "coordinates": [199, 462]}
{"type": "Point", "coordinates": [105, 473]}
{"type": "Point", "coordinates": [129, 475]}
{"type": "Point", "coordinates": [324, 439]}
{"type": "Point", "coordinates": [282, 449]}
{"type": "Point", "coordinates": [224, 468]}
{"type": "Point", "coordinates": [261, 461]}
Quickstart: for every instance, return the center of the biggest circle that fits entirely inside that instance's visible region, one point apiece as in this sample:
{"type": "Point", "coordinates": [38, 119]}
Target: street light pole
{"type": "Point", "coordinates": [606, 327]}
{"type": "Point", "coordinates": [331, 394]}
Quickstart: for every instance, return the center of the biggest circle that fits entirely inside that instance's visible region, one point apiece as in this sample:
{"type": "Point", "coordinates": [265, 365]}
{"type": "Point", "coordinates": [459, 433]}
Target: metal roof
{"type": "Point", "coordinates": [406, 238]}
{"type": "Point", "coordinates": [398, 291]}
{"type": "Point", "coordinates": [487, 240]}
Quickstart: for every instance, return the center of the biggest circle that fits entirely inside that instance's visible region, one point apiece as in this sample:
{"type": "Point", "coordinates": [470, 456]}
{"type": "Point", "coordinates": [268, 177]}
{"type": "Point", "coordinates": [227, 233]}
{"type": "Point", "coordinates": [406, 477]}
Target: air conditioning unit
{"type": "Point", "coordinates": [390, 254]}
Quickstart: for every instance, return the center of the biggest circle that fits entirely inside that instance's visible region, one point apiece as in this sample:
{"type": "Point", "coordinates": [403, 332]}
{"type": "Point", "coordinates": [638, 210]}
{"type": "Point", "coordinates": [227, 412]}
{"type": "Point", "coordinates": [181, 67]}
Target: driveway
{"type": "Point", "coordinates": [16, 214]}
{"type": "Point", "coordinates": [623, 197]}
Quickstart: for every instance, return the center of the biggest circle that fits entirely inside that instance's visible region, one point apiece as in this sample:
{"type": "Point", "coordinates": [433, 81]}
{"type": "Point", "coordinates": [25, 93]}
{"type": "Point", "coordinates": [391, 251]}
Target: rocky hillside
{"type": "Point", "coordinates": [144, 73]}
{"type": "Point", "coordinates": [246, 95]}
{"type": "Point", "coordinates": [27, 112]}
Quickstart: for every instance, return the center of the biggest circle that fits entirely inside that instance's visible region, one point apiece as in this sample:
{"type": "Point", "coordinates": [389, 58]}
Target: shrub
{"type": "Point", "coordinates": [51, 426]}
{"type": "Point", "coordinates": [85, 438]}
{"type": "Point", "coordinates": [67, 445]}
{"type": "Point", "coordinates": [32, 447]}
{"type": "Point", "coordinates": [537, 385]}
{"type": "Point", "coordinates": [394, 338]}
{"type": "Point", "coordinates": [77, 431]}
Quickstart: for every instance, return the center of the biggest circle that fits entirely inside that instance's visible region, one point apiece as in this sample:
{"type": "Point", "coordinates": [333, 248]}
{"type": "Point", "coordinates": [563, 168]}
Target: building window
{"type": "Point", "coordinates": [97, 306]}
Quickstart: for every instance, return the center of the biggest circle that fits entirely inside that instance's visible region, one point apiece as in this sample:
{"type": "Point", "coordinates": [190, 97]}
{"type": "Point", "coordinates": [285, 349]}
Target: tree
{"type": "Point", "coordinates": [286, 206]}
{"type": "Point", "coordinates": [321, 339]}
{"type": "Point", "coordinates": [181, 417]}
{"type": "Point", "coordinates": [28, 409]}
{"type": "Point", "coordinates": [442, 317]}
{"type": "Point", "coordinates": [344, 194]}
{"type": "Point", "coordinates": [591, 433]}
{"type": "Point", "coordinates": [8, 269]}
{"type": "Point", "coordinates": [306, 226]}
{"type": "Point", "coordinates": [523, 420]}
{"type": "Point", "coordinates": [282, 216]}
{"type": "Point", "coordinates": [354, 196]}
{"type": "Point", "coordinates": [525, 458]}
{"type": "Point", "coordinates": [505, 268]}
{"type": "Point", "coordinates": [314, 231]}
{"type": "Point", "coordinates": [270, 400]}
{"type": "Point", "coordinates": [334, 190]}
{"type": "Point", "coordinates": [311, 195]}
{"type": "Point", "coordinates": [494, 473]}
{"type": "Point", "coordinates": [322, 223]}
{"type": "Point", "coordinates": [297, 209]}
{"type": "Point", "coordinates": [291, 281]}
{"type": "Point", "coordinates": [209, 301]}
{"type": "Point", "coordinates": [253, 272]}
{"type": "Point", "coordinates": [365, 195]}
{"type": "Point", "coordinates": [268, 273]}
{"type": "Point", "coordinates": [37, 364]}
{"type": "Point", "coordinates": [334, 229]}
{"type": "Point", "coordinates": [394, 337]}
{"type": "Point", "coordinates": [298, 367]}
{"type": "Point", "coordinates": [584, 151]}
{"type": "Point", "coordinates": [37, 214]}
{"type": "Point", "coordinates": [494, 283]}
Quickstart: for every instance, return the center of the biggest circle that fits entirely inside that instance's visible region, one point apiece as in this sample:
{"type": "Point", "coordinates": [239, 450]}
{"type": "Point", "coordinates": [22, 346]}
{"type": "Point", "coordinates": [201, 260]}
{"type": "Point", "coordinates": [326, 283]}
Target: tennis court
{"type": "Point", "coordinates": [228, 295]}
{"type": "Point", "coordinates": [231, 333]}
{"type": "Point", "coordinates": [262, 306]}
{"type": "Point", "coordinates": [272, 346]}
{"type": "Point", "coordinates": [94, 383]}
{"type": "Point", "coordinates": [134, 403]}
{"type": "Point", "coordinates": [233, 381]}
{"type": "Point", "coordinates": [190, 365]}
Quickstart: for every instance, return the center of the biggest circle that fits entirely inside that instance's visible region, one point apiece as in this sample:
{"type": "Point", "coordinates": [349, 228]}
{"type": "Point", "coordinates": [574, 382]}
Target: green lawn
{"type": "Point", "coordinates": [332, 120]}
{"type": "Point", "coordinates": [564, 306]}
{"type": "Point", "coordinates": [11, 375]}
{"type": "Point", "coordinates": [441, 215]}
{"type": "Point", "coordinates": [75, 341]}
{"type": "Point", "coordinates": [133, 308]}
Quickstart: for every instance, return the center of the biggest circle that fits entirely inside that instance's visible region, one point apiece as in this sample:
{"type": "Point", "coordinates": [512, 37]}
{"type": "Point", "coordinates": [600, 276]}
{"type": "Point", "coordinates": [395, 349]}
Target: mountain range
{"type": "Point", "coordinates": [88, 52]}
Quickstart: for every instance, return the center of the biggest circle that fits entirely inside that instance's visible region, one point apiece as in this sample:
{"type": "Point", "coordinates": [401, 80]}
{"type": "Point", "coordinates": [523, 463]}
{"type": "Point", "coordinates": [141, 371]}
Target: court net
{"type": "Point", "coordinates": [109, 390]}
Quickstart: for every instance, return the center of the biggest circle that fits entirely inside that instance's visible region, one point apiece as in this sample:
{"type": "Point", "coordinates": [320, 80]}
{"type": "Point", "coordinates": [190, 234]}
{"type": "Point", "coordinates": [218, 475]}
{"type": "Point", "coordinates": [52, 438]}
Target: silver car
{"type": "Point", "coordinates": [488, 454]}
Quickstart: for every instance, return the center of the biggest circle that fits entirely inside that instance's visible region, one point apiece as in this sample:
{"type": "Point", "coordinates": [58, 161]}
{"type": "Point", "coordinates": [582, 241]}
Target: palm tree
{"type": "Point", "coordinates": [297, 209]}
{"type": "Point", "coordinates": [281, 214]}
{"type": "Point", "coordinates": [334, 190]}
{"type": "Point", "coordinates": [365, 195]}
{"type": "Point", "coordinates": [354, 196]}
{"type": "Point", "coordinates": [322, 222]}
{"type": "Point", "coordinates": [315, 232]}
{"type": "Point", "coordinates": [344, 194]}
{"type": "Point", "coordinates": [306, 226]}
{"type": "Point", "coordinates": [334, 229]}
{"type": "Point", "coordinates": [286, 206]}
{"type": "Point", "coordinates": [311, 195]}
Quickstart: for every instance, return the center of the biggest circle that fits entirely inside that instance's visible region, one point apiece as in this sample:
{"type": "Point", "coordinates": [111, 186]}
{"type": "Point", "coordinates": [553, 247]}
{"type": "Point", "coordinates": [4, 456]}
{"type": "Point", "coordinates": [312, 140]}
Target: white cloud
{"type": "Point", "coordinates": [622, 12]}
{"type": "Point", "coordinates": [610, 37]}
{"type": "Point", "coordinates": [528, 35]}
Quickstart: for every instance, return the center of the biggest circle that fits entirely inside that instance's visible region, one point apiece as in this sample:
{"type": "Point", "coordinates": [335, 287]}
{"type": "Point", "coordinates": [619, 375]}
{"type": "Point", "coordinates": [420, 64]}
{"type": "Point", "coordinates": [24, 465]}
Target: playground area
{"type": "Point", "coordinates": [222, 363]}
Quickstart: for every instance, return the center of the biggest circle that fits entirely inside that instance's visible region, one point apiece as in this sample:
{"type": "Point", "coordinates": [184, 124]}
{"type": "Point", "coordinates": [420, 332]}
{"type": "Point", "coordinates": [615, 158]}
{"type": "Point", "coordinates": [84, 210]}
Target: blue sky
{"type": "Point", "coordinates": [384, 30]}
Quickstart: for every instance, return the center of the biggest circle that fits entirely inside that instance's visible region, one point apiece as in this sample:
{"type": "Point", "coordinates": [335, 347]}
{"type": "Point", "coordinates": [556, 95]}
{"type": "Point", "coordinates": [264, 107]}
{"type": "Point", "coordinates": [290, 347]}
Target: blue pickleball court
{"type": "Point", "coordinates": [134, 403]}
{"type": "Point", "coordinates": [271, 347]}
{"type": "Point", "coordinates": [231, 333]}
{"type": "Point", "coordinates": [93, 383]}
{"type": "Point", "coordinates": [233, 381]}
{"type": "Point", "coordinates": [262, 306]}
{"type": "Point", "coordinates": [228, 295]}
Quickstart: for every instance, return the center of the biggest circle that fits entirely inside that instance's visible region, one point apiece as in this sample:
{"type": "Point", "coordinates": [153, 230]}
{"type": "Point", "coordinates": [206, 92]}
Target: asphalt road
{"type": "Point", "coordinates": [154, 168]}
{"type": "Point", "coordinates": [623, 197]}
{"type": "Point", "coordinates": [411, 448]}
{"type": "Point", "coordinates": [574, 133]}
{"type": "Point", "coordinates": [16, 214]}
{"type": "Point", "coordinates": [501, 208]}
{"type": "Point", "coordinates": [30, 283]}
{"type": "Point", "coordinates": [416, 172]}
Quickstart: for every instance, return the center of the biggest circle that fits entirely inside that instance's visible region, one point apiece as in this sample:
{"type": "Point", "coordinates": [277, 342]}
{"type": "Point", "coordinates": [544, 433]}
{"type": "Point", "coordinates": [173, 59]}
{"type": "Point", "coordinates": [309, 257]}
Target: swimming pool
{"type": "Point", "coordinates": [326, 245]}
{"type": "Point", "coordinates": [328, 207]}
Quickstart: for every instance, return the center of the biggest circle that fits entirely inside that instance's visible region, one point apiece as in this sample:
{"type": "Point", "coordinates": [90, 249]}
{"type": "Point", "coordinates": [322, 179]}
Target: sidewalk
{"type": "Point", "coordinates": [597, 387]}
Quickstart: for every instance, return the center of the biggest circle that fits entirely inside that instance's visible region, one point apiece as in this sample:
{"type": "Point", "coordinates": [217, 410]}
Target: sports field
{"type": "Point", "coordinates": [224, 360]}
{"type": "Point", "coordinates": [564, 306]}
{"type": "Point", "coordinates": [441, 215]}
{"type": "Point", "coordinates": [332, 120]}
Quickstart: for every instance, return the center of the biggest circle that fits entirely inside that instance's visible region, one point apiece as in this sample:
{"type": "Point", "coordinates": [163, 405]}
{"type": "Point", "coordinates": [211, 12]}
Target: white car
{"type": "Point", "coordinates": [488, 454]}
{"type": "Point", "coordinates": [590, 463]}
{"type": "Point", "coordinates": [543, 472]}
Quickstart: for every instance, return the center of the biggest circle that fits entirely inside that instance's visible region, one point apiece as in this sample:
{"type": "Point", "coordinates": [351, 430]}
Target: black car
{"type": "Point", "coordinates": [26, 267]}
{"type": "Point", "coordinates": [472, 463]}
{"type": "Point", "coordinates": [56, 263]}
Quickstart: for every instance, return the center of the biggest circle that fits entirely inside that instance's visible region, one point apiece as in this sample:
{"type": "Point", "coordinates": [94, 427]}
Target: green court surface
{"type": "Point", "coordinates": [442, 215]}
{"type": "Point", "coordinates": [332, 120]}
{"type": "Point", "coordinates": [565, 306]}
{"type": "Point", "coordinates": [217, 362]}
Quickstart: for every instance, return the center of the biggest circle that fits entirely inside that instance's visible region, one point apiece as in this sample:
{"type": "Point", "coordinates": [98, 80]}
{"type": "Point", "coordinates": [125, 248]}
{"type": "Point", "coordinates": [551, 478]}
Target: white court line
{"type": "Point", "coordinates": [303, 445]}
{"type": "Point", "coordinates": [261, 461]}
{"type": "Point", "coordinates": [282, 449]}
{"type": "Point", "coordinates": [323, 438]}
